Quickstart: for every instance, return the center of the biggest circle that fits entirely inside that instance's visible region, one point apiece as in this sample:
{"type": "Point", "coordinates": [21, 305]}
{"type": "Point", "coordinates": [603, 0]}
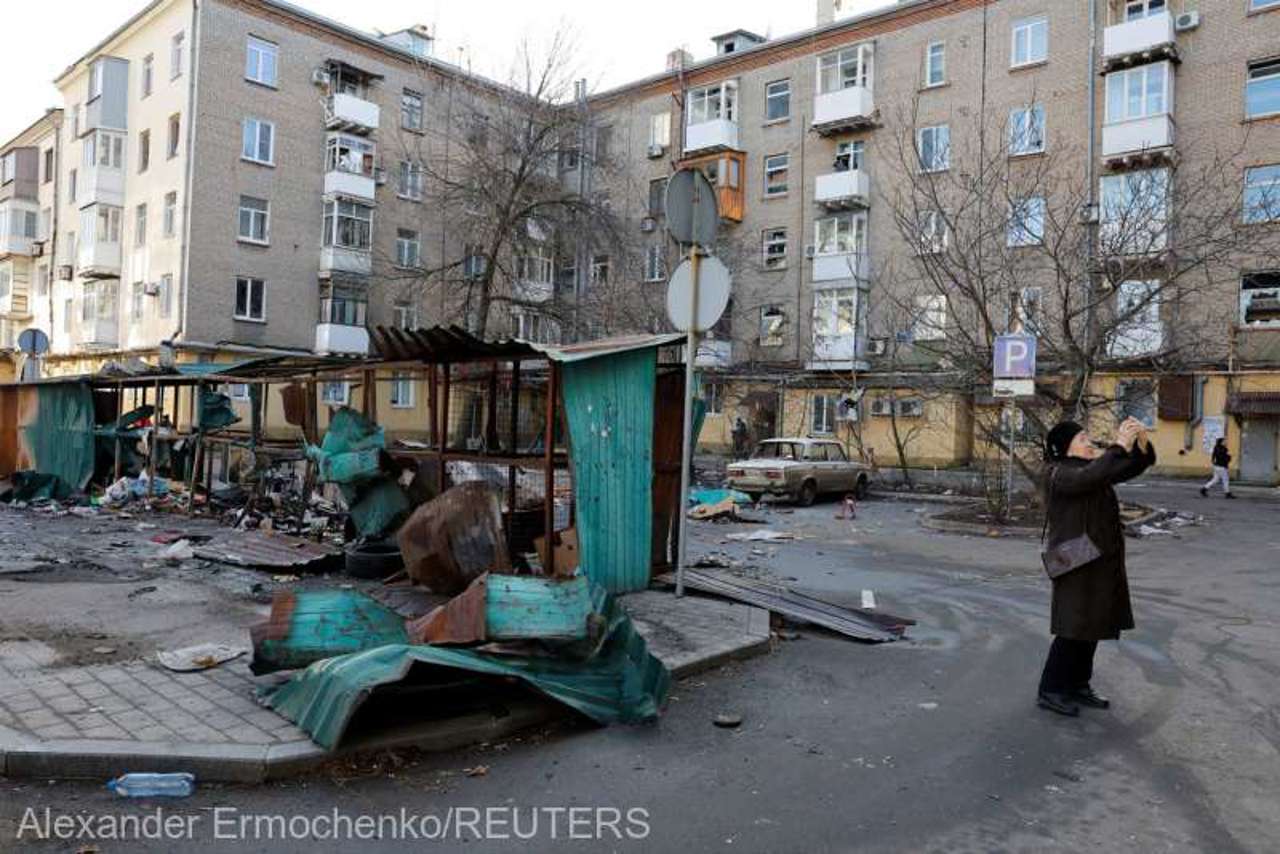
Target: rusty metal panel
{"type": "Point", "coordinates": [456, 537]}
{"type": "Point", "coordinates": [461, 620]}
{"type": "Point", "coordinates": [250, 548]}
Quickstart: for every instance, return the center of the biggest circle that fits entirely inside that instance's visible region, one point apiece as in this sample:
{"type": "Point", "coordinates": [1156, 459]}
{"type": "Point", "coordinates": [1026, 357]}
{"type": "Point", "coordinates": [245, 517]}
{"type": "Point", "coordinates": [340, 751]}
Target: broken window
{"type": "Point", "coordinates": [1260, 299]}
{"type": "Point", "coordinates": [1137, 329]}
{"type": "Point", "coordinates": [930, 321]}
{"type": "Point", "coordinates": [772, 319]}
{"type": "Point", "coordinates": [775, 248]}
{"type": "Point", "coordinates": [713, 396]}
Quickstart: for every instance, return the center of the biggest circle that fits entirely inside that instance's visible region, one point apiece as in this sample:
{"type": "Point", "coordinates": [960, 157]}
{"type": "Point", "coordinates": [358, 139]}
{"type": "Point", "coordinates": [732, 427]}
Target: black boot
{"type": "Point", "coordinates": [1060, 703]}
{"type": "Point", "coordinates": [1086, 696]}
{"type": "Point", "coordinates": [1204, 492]}
{"type": "Point", "coordinates": [1230, 495]}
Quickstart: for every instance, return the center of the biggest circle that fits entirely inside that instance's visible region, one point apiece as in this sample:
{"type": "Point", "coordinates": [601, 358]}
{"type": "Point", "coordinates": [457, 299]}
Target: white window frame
{"type": "Point", "coordinates": [1023, 30]}
{"type": "Point", "coordinates": [850, 155]}
{"type": "Point", "coordinates": [835, 314]}
{"type": "Point", "coordinates": [405, 315]}
{"type": "Point", "coordinates": [95, 80]}
{"type": "Point", "coordinates": [935, 64]}
{"type": "Point", "coordinates": [138, 301]}
{"type": "Point", "coordinates": [336, 211]}
{"type": "Point", "coordinates": [1151, 101]}
{"type": "Point", "coordinates": [410, 181]}
{"type": "Point", "coordinates": [257, 218]}
{"type": "Point", "coordinates": [412, 117]}
{"type": "Point", "coordinates": [148, 75]}
{"type": "Point", "coordinates": [934, 233]}
{"type": "Point", "coordinates": [402, 390]}
{"type": "Point", "coordinates": [718, 101]}
{"type": "Point", "coordinates": [1027, 130]}
{"type": "Point", "coordinates": [1136, 225]}
{"type": "Point", "coordinates": [774, 91]}
{"type": "Point", "coordinates": [354, 155]}
{"type": "Point", "coordinates": [1026, 222]}
{"type": "Point", "coordinates": [140, 225]}
{"type": "Point", "coordinates": [822, 414]}
{"type": "Point", "coordinates": [169, 220]}
{"type": "Point", "coordinates": [237, 391]}
{"type": "Point", "coordinates": [1143, 9]}
{"type": "Point", "coordinates": [251, 283]}
{"type": "Point", "coordinates": [1259, 5]}
{"type": "Point", "coordinates": [939, 148]}
{"type": "Point", "coordinates": [660, 129]}
{"type": "Point", "coordinates": [106, 221]}
{"type": "Point", "coordinates": [930, 322]}
{"type": "Point", "coordinates": [600, 269]}
{"type": "Point", "coordinates": [774, 165]}
{"type": "Point", "coordinates": [408, 248]}
{"type": "Point", "coordinates": [840, 234]}
{"type": "Point", "coordinates": [1270, 78]}
{"type": "Point", "coordinates": [164, 297]}
{"type": "Point", "coordinates": [655, 263]}
{"type": "Point", "coordinates": [173, 136]}
{"type": "Point", "coordinates": [1142, 334]}
{"type": "Point", "coordinates": [327, 389]}
{"type": "Point", "coordinates": [177, 51]}
{"type": "Point", "coordinates": [773, 248]}
{"type": "Point", "coordinates": [262, 61]}
{"type": "Point", "coordinates": [251, 141]}
{"type": "Point", "coordinates": [846, 68]}
{"type": "Point", "coordinates": [1263, 181]}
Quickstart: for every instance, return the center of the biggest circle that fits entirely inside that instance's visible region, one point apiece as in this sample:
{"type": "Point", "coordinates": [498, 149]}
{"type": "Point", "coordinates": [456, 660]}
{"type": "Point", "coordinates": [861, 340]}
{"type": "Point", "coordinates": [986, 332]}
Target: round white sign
{"type": "Point", "coordinates": [713, 294]}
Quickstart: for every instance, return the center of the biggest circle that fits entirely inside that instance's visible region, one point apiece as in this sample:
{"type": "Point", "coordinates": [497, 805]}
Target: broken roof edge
{"type": "Point", "coordinates": [455, 345]}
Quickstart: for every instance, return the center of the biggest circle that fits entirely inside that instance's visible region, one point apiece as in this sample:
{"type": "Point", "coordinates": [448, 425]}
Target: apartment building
{"type": "Point", "coordinates": [236, 177]}
{"type": "Point", "coordinates": [809, 137]}
{"type": "Point", "coordinates": [28, 206]}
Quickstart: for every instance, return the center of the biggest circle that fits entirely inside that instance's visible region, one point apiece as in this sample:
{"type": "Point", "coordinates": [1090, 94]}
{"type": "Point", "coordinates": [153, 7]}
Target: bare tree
{"type": "Point", "coordinates": [509, 176]}
{"type": "Point", "coordinates": [1129, 277]}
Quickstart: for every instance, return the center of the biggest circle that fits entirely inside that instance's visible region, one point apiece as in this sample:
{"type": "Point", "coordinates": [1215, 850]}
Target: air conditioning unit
{"type": "Point", "coordinates": [37, 249]}
{"type": "Point", "coordinates": [65, 272]}
{"type": "Point", "coordinates": [151, 289]}
{"type": "Point", "coordinates": [380, 176]}
{"type": "Point", "coordinates": [877, 346]}
{"type": "Point", "coordinates": [648, 224]}
{"type": "Point", "coordinates": [656, 150]}
{"type": "Point", "coordinates": [1186, 21]}
{"type": "Point", "coordinates": [810, 251]}
{"type": "Point", "coordinates": [911, 407]}
{"type": "Point", "coordinates": [882, 406]}
{"type": "Point", "coordinates": [320, 77]}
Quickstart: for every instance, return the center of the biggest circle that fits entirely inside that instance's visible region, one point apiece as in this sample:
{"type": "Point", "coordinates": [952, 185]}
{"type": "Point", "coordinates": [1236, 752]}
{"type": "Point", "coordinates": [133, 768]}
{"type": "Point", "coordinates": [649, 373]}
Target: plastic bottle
{"type": "Point", "coordinates": [178, 785]}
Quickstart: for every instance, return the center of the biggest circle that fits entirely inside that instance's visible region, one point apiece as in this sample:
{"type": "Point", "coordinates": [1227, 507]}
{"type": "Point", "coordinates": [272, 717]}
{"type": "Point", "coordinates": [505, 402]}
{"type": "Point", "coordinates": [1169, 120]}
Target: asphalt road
{"type": "Point", "coordinates": [933, 744]}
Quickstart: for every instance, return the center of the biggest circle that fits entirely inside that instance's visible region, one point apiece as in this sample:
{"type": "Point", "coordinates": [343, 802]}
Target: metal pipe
{"type": "Point", "coordinates": [686, 458]}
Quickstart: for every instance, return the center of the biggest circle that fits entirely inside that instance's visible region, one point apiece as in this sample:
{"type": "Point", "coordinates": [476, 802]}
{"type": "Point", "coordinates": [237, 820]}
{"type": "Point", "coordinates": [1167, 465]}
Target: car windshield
{"type": "Point", "coordinates": [776, 451]}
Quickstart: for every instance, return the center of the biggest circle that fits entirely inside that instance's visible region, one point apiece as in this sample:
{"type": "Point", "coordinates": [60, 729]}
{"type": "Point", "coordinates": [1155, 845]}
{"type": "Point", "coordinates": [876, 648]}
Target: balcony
{"type": "Point", "coordinates": [338, 182]}
{"type": "Point", "coordinates": [844, 110]}
{"type": "Point", "coordinates": [834, 351]}
{"type": "Point", "coordinates": [14, 303]}
{"type": "Point", "coordinates": [842, 190]}
{"type": "Point", "coordinates": [338, 259]}
{"type": "Point", "coordinates": [341, 338]}
{"type": "Point", "coordinates": [714, 134]}
{"type": "Point", "coordinates": [352, 113]}
{"type": "Point", "coordinates": [98, 260]}
{"type": "Point", "coordinates": [1138, 141]}
{"type": "Point", "coordinates": [99, 332]}
{"type": "Point", "coordinates": [1139, 41]}
{"type": "Point", "coordinates": [100, 185]}
{"type": "Point", "coordinates": [532, 290]}
{"type": "Point", "coordinates": [19, 224]}
{"type": "Point", "coordinates": [835, 266]}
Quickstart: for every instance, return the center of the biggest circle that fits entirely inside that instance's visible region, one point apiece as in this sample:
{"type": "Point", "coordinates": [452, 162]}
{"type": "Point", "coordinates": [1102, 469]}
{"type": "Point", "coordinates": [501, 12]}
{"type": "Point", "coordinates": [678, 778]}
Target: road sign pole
{"type": "Point", "coordinates": [686, 457]}
{"type": "Point", "coordinates": [1008, 482]}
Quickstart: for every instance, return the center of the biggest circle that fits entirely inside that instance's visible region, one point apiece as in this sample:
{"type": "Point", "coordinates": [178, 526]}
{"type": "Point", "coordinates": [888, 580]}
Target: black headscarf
{"type": "Point", "coordinates": [1059, 439]}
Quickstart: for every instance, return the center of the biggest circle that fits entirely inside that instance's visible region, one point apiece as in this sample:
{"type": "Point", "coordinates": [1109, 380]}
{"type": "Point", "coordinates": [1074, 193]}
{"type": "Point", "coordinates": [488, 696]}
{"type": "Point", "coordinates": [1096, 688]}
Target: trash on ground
{"type": "Point", "coordinates": [476, 771]}
{"type": "Point", "coordinates": [726, 720]}
{"type": "Point", "coordinates": [766, 535]}
{"type": "Point", "coordinates": [179, 550]}
{"type": "Point", "coordinates": [177, 785]}
{"type": "Point", "coordinates": [716, 496]}
{"type": "Point", "coordinates": [724, 509]}
{"type": "Point", "coordinates": [200, 657]}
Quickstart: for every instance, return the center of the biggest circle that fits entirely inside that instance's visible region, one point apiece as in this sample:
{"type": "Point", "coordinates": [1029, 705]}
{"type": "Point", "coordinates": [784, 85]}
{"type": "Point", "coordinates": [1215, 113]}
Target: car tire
{"type": "Point", "coordinates": [375, 559]}
{"type": "Point", "coordinates": [861, 489]}
{"type": "Point", "coordinates": [808, 493]}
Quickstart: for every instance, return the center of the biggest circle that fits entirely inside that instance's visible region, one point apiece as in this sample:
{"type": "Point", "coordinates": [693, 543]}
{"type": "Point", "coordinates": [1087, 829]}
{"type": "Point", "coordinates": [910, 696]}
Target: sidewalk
{"type": "Point", "coordinates": [98, 721]}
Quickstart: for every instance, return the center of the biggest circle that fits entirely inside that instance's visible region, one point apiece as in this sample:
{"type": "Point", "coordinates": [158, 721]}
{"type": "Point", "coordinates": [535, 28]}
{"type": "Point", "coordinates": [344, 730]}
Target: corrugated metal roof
{"type": "Point", "coordinates": [456, 345]}
{"type": "Point", "coordinates": [1254, 403]}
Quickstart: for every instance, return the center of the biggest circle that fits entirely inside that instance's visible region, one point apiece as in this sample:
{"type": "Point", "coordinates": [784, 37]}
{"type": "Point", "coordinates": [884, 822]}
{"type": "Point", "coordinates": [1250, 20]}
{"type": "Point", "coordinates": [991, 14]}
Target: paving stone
{"type": "Point", "coordinates": [68, 703]}
{"type": "Point", "coordinates": [57, 731]}
{"type": "Point", "coordinates": [106, 732]}
{"type": "Point", "coordinates": [112, 703]}
{"type": "Point", "coordinates": [155, 732]}
{"type": "Point", "coordinates": [23, 701]}
{"type": "Point", "coordinates": [88, 720]}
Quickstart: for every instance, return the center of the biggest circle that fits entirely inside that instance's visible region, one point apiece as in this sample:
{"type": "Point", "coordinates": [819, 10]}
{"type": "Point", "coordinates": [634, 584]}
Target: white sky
{"type": "Point", "coordinates": [617, 41]}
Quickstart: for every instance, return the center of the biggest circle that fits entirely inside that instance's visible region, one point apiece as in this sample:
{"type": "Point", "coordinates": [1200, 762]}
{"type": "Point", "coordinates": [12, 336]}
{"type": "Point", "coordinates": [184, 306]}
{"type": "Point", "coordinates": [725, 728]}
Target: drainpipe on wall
{"type": "Point", "coordinates": [167, 346]}
{"type": "Point", "coordinates": [53, 228]}
{"type": "Point", "coordinates": [1197, 411]}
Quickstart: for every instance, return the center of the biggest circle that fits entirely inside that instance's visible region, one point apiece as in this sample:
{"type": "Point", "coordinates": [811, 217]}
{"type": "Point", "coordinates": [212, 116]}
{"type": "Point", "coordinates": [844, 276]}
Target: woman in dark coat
{"type": "Point", "coordinates": [1091, 602]}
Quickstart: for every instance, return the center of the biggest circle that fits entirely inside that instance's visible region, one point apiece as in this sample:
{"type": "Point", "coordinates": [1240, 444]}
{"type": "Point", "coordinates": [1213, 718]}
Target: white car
{"type": "Point", "coordinates": [801, 469]}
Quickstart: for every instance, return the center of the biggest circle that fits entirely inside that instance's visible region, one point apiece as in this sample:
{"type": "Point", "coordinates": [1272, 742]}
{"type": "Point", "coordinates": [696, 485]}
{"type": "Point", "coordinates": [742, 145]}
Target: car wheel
{"type": "Point", "coordinates": [808, 493]}
{"type": "Point", "coordinates": [861, 489]}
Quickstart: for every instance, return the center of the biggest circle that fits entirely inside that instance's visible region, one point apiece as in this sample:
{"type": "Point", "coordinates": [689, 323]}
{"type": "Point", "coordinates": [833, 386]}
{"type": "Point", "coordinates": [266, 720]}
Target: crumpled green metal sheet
{"type": "Point", "coordinates": [34, 485]}
{"type": "Point", "coordinates": [619, 681]}
{"type": "Point", "coordinates": [351, 455]}
{"type": "Point", "coordinates": [60, 437]}
{"type": "Point", "coordinates": [216, 411]}
{"type": "Point", "coordinates": [309, 625]}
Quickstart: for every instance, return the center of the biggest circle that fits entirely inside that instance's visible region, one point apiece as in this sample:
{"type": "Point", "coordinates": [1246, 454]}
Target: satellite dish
{"type": "Point", "coordinates": [33, 342]}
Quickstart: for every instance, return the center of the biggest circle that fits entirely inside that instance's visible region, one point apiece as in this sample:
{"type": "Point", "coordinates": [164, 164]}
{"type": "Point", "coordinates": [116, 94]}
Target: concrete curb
{"type": "Point", "coordinates": [925, 496]}
{"type": "Point", "coordinates": [25, 757]}
{"type": "Point", "coordinates": [949, 526]}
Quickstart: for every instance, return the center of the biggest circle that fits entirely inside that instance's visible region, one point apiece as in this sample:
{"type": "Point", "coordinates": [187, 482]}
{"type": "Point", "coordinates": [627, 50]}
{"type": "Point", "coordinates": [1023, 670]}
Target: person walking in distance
{"type": "Point", "coordinates": [1085, 547]}
{"type": "Point", "coordinates": [1221, 460]}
